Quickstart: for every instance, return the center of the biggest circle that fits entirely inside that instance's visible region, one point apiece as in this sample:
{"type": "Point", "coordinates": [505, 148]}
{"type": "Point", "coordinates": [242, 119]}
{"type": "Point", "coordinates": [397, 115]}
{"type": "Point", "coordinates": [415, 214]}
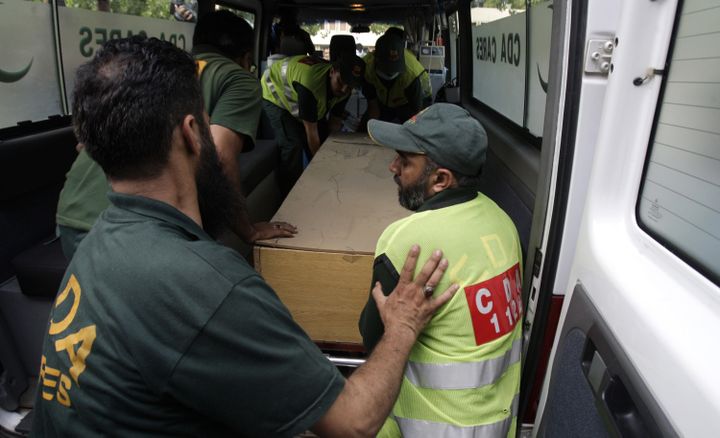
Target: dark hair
{"type": "Point", "coordinates": [225, 31]}
{"type": "Point", "coordinates": [463, 180]}
{"type": "Point", "coordinates": [400, 33]}
{"type": "Point", "coordinates": [129, 99]}
{"type": "Point", "coordinates": [301, 35]}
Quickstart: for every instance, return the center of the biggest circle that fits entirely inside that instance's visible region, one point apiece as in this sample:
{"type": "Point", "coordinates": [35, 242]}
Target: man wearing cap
{"type": "Point", "coordinates": [157, 329]}
{"type": "Point", "coordinates": [298, 94]}
{"type": "Point", "coordinates": [396, 84]}
{"type": "Point", "coordinates": [463, 374]}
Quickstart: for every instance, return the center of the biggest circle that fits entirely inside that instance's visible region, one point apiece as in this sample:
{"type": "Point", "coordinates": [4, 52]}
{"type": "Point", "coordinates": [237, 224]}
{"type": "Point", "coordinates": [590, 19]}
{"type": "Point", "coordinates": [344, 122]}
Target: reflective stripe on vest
{"type": "Point", "coordinates": [420, 428]}
{"type": "Point", "coordinates": [290, 106]}
{"type": "Point", "coordinates": [463, 375]}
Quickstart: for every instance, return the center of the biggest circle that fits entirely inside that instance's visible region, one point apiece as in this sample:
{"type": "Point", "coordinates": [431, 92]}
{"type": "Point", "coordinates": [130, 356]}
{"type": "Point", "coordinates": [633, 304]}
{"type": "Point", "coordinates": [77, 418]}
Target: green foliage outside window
{"type": "Point", "coordinates": [143, 8]}
{"type": "Point", "coordinates": [311, 28]}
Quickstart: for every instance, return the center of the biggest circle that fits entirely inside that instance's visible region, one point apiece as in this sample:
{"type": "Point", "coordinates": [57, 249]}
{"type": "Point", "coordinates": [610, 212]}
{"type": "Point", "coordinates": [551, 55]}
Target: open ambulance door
{"type": "Point", "coordinates": [635, 353]}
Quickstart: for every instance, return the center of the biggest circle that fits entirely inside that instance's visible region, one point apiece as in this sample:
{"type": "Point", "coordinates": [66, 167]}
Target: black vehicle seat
{"type": "Point", "coordinates": [40, 269]}
{"type": "Point", "coordinates": [35, 161]}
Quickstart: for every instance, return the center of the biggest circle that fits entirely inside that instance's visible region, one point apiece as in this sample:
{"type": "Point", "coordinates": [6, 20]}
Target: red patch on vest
{"type": "Point", "coordinates": [495, 305]}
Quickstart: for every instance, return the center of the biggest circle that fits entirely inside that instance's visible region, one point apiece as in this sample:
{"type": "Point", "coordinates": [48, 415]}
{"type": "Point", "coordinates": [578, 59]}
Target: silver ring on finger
{"type": "Point", "coordinates": [428, 291]}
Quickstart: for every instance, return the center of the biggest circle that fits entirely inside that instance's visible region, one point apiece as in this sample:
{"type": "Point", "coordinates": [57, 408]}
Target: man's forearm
{"type": "Point", "coordinates": [313, 137]}
{"type": "Point", "coordinates": [371, 391]}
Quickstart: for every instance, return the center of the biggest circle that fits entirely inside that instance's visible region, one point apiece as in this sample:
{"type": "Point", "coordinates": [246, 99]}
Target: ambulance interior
{"type": "Point", "coordinates": [31, 260]}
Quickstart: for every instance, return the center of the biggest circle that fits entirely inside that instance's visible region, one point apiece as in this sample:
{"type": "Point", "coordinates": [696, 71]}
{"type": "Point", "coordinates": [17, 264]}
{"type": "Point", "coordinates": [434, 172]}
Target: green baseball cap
{"type": "Point", "coordinates": [390, 55]}
{"type": "Point", "coordinates": [352, 69]}
{"type": "Point", "coordinates": [446, 133]}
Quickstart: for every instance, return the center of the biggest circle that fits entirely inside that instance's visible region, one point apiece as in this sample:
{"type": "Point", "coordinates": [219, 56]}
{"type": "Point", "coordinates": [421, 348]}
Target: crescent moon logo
{"type": "Point", "coordinates": [14, 76]}
{"type": "Point", "coordinates": [543, 84]}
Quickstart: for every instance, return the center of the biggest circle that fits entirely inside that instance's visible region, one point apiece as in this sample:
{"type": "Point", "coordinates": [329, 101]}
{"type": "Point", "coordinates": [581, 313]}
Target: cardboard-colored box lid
{"type": "Point", "coordinates": [344, 199]}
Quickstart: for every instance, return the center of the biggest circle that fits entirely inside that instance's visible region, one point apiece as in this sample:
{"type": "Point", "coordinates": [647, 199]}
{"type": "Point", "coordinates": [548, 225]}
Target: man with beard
{"type": "Point", "coordinates": [463, 374]}
{"type": "Point", "coordinates": [222, 46]}
{"type": "Point", "coordinates": [158, 329]}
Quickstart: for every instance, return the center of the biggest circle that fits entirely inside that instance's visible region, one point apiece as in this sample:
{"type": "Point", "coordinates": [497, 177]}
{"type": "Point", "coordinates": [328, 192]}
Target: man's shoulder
{"type": "Point", "coordinates": [484, 213]}
{"type": "Point", "coordinates": [225, 262]}
{"type": "Point", "coordinates": [165, 248]}
{"type": "Point", "coordinates": [219, 66]}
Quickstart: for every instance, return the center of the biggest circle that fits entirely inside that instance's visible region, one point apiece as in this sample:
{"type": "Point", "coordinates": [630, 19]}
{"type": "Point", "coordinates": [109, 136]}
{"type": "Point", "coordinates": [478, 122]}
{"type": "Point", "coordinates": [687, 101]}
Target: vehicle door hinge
{"type": "Point", "coordinates": [598, 56]}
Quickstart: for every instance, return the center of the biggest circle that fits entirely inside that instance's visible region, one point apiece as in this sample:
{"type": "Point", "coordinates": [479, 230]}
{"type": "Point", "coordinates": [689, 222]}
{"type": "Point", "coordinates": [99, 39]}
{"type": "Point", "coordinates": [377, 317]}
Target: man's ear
{"type": "Point", "coordinates": [441, 179]}
{"type": "Point", "coordinates": [190, 131]}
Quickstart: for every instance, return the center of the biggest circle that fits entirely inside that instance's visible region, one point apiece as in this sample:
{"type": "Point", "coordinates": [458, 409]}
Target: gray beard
{"type": "Point", "coordinates": [412, 196]}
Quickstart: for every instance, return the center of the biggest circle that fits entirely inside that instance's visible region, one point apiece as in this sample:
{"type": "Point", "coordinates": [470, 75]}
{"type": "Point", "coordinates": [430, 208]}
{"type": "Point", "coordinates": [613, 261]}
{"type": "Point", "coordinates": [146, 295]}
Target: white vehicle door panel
{"type": "Point", "coordinates": [657, 315]}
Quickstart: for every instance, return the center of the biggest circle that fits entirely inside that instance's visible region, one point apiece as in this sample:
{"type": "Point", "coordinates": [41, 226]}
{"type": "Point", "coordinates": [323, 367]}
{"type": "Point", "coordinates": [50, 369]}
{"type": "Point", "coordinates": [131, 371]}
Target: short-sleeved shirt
{"type": "Point", "coordinates": [231, 93]}
{"type": "Point", "coordinates": [232, 99]}
{"type": "Point", "coordinates": [158, 330]}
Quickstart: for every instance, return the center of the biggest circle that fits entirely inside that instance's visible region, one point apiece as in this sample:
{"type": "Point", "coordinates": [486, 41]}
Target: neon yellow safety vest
{"type": "Point", "coordinates": [395, 96]}
{"type": "Point", "coordinates": [310, 72]}
{"type": "Point", "coordinates": [463, 374]}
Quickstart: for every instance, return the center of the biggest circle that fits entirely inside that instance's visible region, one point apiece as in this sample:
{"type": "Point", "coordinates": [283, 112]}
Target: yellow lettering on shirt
{"type": "Point", "coordinates": [85, 337]}
{"type": "Point", "coordinates": [62, 393]}
{"type": "Point", "coordinates": [457, 266]}
{"type": "Point", "coordinates": [56, 384]}
{"type": "Point", "coordinates": [495, 251]}
{"type": "Point", "coordinates": [46, 377]}
{"type": "Point", "coordinates": [74, 287]}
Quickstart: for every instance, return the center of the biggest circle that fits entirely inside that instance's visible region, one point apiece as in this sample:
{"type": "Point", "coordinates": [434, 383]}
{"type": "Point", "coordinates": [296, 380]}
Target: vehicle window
{"type": "Point", "coordinates": [85, 25]}
{"type": "Point", "coordinates": [322, 32]}
{"type": "Point", "coordinates": [248, 16]}
{"type": "Point", "coordinates": [511, 58]}
{"type": "Point", "coordinates": [28, 65]}
{"type": "Point", "coordinates": [680, 199]}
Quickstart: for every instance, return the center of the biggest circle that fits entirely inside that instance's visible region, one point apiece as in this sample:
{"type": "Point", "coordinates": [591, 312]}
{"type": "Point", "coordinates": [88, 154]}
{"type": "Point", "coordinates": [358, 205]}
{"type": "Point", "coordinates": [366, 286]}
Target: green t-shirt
{"type": "Point", "coordinates": [232, 94]}
{"type": "Point", "coordinates": [232, 99]}
{"type": "Point", "coordinates": [83, 196]}
{"type": "Point", "coordinates": [159, 330]}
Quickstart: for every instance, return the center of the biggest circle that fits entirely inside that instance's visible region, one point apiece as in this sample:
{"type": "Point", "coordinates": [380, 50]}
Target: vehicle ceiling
{"type": "Point", "coordinates": [358, 11]}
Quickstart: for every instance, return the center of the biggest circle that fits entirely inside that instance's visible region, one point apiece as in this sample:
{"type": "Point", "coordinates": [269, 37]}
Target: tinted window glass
{"type": "Point", "coordinates": [680, 199]}
{"type": "Point", "coordinates": [85, 25]}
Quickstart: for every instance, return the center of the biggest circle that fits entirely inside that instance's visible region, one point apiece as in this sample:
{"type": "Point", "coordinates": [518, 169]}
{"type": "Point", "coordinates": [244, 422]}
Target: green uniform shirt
{"type": "Point", "coordinates": [83, 196]}
{"type": "Point", "coordinates": [231, 93]}
{"type": "Point", "coordinates": [232, 99]}
{"type": "Point", "coordinates": [158, 330]}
